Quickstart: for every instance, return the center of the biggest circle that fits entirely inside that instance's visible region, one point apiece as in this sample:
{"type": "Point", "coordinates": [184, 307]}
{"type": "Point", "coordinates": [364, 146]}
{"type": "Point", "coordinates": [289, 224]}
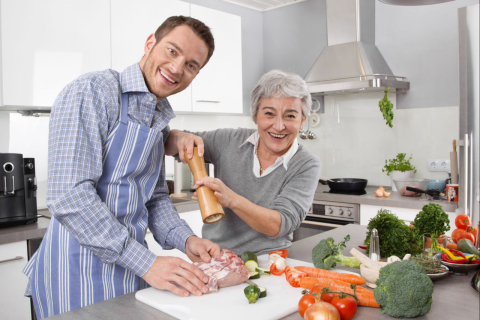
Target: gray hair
{"type": "Point", "coordinates": [276, 84]}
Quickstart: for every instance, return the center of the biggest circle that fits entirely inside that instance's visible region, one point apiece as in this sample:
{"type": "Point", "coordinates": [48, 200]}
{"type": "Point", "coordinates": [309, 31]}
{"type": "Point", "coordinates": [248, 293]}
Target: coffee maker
{"type": "Point", "coordinates": [18, 190]}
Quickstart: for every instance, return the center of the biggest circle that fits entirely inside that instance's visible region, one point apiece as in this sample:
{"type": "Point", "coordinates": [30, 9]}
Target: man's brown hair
{"type": "Point", "coordinates": [197, 26]}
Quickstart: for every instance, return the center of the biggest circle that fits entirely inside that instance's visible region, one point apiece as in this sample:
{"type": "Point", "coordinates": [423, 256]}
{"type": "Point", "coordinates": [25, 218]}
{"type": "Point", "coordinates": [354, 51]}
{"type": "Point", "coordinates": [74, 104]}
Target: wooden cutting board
{"type": "Point", "coordinates": [230, 303]}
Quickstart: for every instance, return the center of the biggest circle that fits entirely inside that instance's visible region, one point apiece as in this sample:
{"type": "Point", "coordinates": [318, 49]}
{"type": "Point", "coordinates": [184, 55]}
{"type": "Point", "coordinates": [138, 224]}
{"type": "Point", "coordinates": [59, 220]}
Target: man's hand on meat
{"type": "Point", "coordinates": [168, 271]}
{"type": "Point", "coordinates": [198, 249]}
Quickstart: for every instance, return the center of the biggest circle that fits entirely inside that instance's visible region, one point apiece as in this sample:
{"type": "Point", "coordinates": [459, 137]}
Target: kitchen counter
{"type": "Point", "coordinates": [395, 199]}
{"type": "Point", "coordinates": [449, 293]}
{"type": "Point", "coordinates": [37, 230]}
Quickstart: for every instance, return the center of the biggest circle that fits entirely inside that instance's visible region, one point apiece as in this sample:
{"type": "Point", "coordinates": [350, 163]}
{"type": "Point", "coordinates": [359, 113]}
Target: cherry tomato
{"type": "Point", "coordinates": [463, 221]}
{"type": "Point", "coordinates": [282, 253]}
{"type": "Point", "coordinates": [467, 235]}
{"type": "Point", "coordinates": [305, 302]}
{"type": "Point", "coordinates": [456, 233]}
{"type": "Point", "coordinates": [347, 306]}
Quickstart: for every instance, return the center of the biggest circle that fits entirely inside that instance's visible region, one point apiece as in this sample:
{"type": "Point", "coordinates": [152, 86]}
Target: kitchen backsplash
{"type": "Point", "coordinates": [352, 141]}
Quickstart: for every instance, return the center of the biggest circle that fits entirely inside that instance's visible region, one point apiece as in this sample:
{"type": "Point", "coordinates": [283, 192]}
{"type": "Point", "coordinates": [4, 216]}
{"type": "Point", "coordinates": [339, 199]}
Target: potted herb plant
{"type": "Point", "coordinates": [399, 168]}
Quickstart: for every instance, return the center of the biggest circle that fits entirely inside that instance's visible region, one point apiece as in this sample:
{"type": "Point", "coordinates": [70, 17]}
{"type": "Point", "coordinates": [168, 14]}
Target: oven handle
{"type": "Point", "coordinates": [323, 224]}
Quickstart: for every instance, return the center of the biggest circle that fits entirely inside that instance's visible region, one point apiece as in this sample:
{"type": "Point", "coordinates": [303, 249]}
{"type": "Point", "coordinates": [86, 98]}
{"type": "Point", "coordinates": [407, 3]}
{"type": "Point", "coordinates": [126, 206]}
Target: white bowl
{"type": "Point", "coordinates": [370, 275]}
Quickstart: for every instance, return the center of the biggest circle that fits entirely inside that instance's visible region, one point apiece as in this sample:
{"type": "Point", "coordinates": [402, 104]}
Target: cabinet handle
{"type": "Point", "coordinates": [212, 101]}
{"type": "Point", "coordinates": [13, 259]}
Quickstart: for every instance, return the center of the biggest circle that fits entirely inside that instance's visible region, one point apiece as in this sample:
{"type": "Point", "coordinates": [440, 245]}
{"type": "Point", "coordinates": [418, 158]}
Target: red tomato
{"type": "Point", "coordinates": [305, 302]}
{"type": "Point", "coordinates": [463, 221]}
{"type": "Point", "coordinates": [456, 234]}
{"type": "Point", "coordinates": [328, 297]}
{"type": "Point", "coordinates": [474, 232]}
{"type": "Point", "coordinates": [275, 271]}
{"type": "Point", "coordinates": [347, 307]}
{"type": "Point", "coordinates": [467, 235]}
{"type": "Point", "coordinates": [282, 253]}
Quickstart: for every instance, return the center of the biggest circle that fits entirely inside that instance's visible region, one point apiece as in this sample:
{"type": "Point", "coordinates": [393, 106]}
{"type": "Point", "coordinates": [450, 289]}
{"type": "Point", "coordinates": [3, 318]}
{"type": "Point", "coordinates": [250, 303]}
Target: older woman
{"type": "Point", "coordinates": [264, 179]}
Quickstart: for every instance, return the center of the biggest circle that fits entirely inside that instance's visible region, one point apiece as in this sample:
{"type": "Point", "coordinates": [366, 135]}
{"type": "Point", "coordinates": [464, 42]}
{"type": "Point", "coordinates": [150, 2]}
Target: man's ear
{"type": "Point", "coordinates": [149, 43]}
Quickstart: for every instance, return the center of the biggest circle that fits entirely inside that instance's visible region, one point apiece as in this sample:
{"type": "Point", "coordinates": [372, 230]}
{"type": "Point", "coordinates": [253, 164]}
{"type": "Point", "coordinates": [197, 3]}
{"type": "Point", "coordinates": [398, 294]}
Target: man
{"type": "Point", "coordinates": [106, 181]}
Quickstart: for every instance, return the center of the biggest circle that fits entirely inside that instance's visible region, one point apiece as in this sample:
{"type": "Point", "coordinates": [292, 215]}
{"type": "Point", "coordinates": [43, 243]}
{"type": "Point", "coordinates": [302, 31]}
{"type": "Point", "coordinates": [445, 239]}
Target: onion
{"type": "Point", "coordinates": [379, 193]}
{"type": "Point", "coordinates": [386, 194]}
{"type": "Point", "coordinates": [321, 310]}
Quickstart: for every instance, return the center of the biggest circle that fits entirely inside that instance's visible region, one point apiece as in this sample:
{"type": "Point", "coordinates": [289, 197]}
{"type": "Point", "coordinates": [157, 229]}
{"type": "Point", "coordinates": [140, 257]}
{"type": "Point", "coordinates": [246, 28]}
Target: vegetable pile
{"type": "Point", "coordinates": [404, 290]}
{"type": "Point", "coordinates": [432, 221]}
{"type": "Point", "coordinates": [464, 229]}
{"type": "Point", "coordinates": [326, 254]}
{"type": "Point", "coordinates": [396, 238]}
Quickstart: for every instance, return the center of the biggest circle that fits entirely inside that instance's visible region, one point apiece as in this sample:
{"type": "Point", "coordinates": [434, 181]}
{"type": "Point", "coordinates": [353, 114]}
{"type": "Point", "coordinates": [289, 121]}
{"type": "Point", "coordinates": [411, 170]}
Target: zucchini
{"type": "Point", "coordinates": [262, 271]}
{"type": "Point", "coordinates": [466, 246]}
{"type": "Point", "coordinates": [263, 292]}
{"type": "Point", "coordinates": [254, 275]}
{"type": "Point", "coordinates": [251, 265]}
{"type": "Point", "coordinates": [251, 293]}
{"type": "Point", "coordinates": [247, 256]}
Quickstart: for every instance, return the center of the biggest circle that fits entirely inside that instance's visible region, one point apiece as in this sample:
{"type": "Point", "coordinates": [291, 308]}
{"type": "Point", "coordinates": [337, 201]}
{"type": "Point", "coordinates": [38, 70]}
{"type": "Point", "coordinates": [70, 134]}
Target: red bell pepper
{"type": "Point", "coordinates": [282, 253]}
{"type": "Point", "coordinates": [293, 276]}
{"type": "Point", "coordinates": [446, 258]}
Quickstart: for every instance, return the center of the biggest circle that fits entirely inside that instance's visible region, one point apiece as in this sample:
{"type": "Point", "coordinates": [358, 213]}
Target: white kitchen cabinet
{"type": "Point", "coordinates": [48, 43]}
{"type": "Point", "coordinates": [218, 86]}
{"type": "Point", "coordinates": [13, 257]}
{"type": "Point", "coordinates": [367, 212]}
{"type": "Point", "coordinates": [132, 23]}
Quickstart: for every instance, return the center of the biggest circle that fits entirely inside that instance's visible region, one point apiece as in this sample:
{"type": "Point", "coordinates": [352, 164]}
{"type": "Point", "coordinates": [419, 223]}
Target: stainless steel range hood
{"type": "Point", "coordinates": [351, 62]}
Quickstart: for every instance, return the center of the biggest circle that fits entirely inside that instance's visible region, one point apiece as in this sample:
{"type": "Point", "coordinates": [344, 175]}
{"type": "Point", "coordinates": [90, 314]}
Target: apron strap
{"type": "Point", "coordinates": [123, 105]}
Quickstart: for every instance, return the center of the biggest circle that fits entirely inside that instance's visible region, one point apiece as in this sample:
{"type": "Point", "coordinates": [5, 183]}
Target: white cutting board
{"type": "Point", "coordinates": [231, 303]}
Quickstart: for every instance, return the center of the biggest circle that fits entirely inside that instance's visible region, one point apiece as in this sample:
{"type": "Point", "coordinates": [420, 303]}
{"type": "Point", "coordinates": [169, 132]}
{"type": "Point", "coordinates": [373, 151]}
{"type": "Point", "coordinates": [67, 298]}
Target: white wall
{"type": "Point", "coordinates": [353, 140]}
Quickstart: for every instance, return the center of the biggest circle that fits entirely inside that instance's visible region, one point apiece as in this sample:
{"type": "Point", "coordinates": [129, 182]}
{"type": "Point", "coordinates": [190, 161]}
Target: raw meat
{"type": "Point", "coordinates": [224, 270]}
{"type": "Point", "coordinates": [405, 192]}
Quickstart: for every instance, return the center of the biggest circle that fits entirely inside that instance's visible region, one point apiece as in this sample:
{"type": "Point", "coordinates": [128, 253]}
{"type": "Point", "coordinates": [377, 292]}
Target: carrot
{"type": "Point", "coordinates": [335, 285]}
{"type": "Point", "coordinates": [320, 273]}
{"type": "Point", "coordinates": [365, 297]}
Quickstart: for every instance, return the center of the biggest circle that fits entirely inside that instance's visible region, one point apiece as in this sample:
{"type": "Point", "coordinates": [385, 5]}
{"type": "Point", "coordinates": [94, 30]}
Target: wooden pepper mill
{"type": "Point", "coordinates": [210, 208]}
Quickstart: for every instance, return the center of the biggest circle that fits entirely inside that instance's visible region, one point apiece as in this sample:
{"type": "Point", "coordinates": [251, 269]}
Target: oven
{"type": "Point", "coordinates": [327, 215]}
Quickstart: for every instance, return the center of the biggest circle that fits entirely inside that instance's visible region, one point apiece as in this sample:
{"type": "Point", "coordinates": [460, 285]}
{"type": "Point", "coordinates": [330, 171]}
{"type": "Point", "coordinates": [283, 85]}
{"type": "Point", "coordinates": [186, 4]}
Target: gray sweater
{"type": "Point", "coordinates": [290, 192]}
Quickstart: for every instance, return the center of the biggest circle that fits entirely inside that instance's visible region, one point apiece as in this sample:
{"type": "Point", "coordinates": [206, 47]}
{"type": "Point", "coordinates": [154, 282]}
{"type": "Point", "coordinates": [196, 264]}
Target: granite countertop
{"type": "Point", "coordinates": [37, 230]}
{"type": "Point", "coordinates": [449, 293]}
{"type": "Point", "coordinates": [395, 199]}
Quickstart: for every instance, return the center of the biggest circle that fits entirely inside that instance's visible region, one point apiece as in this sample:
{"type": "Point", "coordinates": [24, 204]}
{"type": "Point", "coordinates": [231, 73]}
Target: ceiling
{"type": "Point", "coordinates": [263, 5]}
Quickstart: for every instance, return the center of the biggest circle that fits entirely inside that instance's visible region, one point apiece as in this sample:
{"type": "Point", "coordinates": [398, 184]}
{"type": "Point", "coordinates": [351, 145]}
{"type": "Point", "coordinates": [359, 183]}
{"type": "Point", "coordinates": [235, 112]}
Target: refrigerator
{"type": "Point", "coordinates": [469, 198]}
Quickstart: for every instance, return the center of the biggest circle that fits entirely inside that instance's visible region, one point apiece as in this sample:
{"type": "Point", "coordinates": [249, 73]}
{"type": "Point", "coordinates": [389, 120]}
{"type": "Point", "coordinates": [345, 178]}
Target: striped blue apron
{"type": "Point", "coordinates": [63, 274]}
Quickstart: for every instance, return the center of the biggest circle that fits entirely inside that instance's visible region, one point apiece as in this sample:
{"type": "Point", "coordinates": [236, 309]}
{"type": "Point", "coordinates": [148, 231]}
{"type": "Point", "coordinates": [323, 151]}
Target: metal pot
{"type": "Point", "coordinates": [345, 184]}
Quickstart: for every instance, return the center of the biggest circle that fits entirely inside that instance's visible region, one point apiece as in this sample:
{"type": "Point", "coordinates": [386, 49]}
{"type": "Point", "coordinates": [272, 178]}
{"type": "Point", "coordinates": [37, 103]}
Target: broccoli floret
{"type": "Point", "coordinates": [404, 290]}
{"type": "Point", "coordinates": [326, 254]}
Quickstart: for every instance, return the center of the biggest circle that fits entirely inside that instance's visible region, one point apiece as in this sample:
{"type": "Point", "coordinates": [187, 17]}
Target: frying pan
{"type": "Point", "coordinates": [345, 184]}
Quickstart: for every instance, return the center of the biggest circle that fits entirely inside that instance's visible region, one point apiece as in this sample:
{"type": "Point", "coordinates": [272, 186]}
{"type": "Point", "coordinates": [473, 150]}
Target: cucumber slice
{"type": "Point", "coordinates": [251, 265]}
{"type": "Point", "coordinates": [254, 275]}
{"type": "Point", "coordinates": [263, 292]}
{"type": "Point", "coordinates": [263, 271]}
{"type": "Point", "coordinates": [247, 255]}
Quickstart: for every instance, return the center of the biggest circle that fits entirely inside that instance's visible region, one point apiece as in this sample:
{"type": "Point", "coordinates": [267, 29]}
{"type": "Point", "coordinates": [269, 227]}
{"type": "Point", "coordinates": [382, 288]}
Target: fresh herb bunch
{"type": "Point", "coordinates": [396, 238]}
{"type": "Point", "coordinates": [432, 221]}
{"type": "Point", "coordinates": [400, 163]}
{"type": "Point", "coordinates": [386, 106]}
{"type": "Point", "coordinates": [431, 266]}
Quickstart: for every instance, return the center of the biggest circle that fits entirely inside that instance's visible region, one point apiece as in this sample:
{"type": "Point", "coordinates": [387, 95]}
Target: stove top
{"type": "Point", "coordinates": [369, 189]}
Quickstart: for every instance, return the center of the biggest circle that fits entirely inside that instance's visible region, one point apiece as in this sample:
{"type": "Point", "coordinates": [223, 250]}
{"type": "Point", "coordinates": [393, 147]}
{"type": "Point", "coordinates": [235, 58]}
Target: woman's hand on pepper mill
{"type": "Point", "coordinates": [179, 142]}
{"type": "Point", "coordinates": [224, 194]}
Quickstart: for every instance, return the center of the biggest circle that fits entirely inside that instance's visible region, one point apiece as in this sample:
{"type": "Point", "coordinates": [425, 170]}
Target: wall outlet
{"type": "Point", "coordinates": [439, 165]}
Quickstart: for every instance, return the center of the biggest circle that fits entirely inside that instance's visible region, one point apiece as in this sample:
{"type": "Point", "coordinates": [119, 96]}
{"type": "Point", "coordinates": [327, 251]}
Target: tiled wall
{"type": "Point", "coordinates": [352, 141]}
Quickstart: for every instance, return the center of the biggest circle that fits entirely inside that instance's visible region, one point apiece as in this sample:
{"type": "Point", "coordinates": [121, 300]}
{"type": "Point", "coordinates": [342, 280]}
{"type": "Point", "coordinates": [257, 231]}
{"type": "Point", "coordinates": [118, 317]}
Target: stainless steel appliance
{"type": "Point", "coordinates": [469, 163]}
{"type": "Point", "coordinates": [18, 190]}
{"type": "Point", "coordinates": [327, 215]}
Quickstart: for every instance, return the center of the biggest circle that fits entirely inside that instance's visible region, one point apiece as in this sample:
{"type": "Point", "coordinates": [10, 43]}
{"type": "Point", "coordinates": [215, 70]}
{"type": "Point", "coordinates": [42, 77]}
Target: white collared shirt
{"type": "Point", "coordinates": [284, 159]}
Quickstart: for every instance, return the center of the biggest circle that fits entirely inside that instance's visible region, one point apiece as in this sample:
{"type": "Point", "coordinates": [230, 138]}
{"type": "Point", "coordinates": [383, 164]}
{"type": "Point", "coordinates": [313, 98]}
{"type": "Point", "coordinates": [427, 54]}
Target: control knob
{"type": "Point", "coordinates": [340, 211]}
{"type": "Point", "coordinates": [330, 210]}
{"type": "Point", "coordinates": [349, 213]}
